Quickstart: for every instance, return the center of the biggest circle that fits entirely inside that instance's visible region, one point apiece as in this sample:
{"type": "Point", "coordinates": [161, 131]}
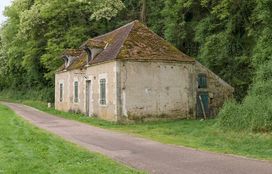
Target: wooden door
{"type": "Point", "coordinates": [202, 104]}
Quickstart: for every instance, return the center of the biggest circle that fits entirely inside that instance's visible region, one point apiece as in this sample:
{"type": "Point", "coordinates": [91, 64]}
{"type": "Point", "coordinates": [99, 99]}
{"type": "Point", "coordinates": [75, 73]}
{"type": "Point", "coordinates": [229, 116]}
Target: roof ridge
{"type": "Point", "coordinates": [125, 38]}
{"type": "Point", "coordinates": [124, 26]}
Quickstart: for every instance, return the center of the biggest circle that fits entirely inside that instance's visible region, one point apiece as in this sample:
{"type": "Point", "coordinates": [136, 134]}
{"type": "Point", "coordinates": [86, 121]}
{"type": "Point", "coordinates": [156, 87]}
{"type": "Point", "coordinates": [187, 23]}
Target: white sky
{"type": "Point", "coordinates": [3, 4]}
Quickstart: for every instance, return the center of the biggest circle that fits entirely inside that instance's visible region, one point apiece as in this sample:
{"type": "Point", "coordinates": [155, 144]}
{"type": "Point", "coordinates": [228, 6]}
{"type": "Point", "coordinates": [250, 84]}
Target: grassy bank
{"type": "Point", "coordinates": [26, 149]}
{"type": "Point", "coordinates": [203, 135]}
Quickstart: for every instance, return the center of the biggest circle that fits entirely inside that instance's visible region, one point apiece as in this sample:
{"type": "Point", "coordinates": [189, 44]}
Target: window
{"type": "Point", "coordinates": [76, 91]}
{"type": "Point", "coordinates": [103, 92]}
{"type": "Point", "coordinates": [61, 92]}
{"type": "Point", "coordinates": [202, 81]}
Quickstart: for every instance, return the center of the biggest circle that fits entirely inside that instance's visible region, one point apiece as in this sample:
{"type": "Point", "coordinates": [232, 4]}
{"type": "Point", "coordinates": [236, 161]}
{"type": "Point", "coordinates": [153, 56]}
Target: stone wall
{"type": "Point", "coordinates": [219, 91]}
{"type": "Point", "coordinates": [94, 74]}
{"type": "Point", "coordinates": [67, 79]}
{"type": "Point", "coordinates": [151, 90]}
{"type": "Point", "coordinates": [141, 90]}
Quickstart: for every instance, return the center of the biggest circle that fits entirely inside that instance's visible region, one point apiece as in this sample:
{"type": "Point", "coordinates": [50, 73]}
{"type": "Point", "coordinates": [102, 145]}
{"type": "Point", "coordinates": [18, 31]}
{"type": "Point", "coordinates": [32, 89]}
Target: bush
{"type": "Point", "coordinates": [45, 94]}
{"type": "Point", "coordinates": [254, 114]}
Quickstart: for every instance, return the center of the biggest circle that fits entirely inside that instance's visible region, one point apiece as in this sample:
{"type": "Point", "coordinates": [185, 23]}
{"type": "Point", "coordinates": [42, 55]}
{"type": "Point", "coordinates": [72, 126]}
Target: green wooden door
{"type": "Point", "coordinates": [202, 104]}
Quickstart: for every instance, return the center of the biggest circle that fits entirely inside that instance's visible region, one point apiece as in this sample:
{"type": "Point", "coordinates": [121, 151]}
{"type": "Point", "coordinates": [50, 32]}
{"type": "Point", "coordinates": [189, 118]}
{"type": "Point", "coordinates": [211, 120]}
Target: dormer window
{"type": "Point", "coordinates": [89, 53]}
{"type": "Point", "coordinates": [68, 60]}
{"type": "Point", "coordinates": [65, 58]}
{"type": "Point", "coordinates": [69, 56]}
{"type": "Point", "coordinates": [92, 53]}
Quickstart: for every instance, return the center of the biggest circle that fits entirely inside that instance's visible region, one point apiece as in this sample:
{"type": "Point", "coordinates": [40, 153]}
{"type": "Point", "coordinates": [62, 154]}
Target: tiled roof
{"type": "Point", "coordinates": [133, 41]}
{"type": "Point", "coordinates": [95, 43]}
{"type": "Point", "coordinates": [72, 52]}
{"type": "Point", "coordinates": [144, 44]}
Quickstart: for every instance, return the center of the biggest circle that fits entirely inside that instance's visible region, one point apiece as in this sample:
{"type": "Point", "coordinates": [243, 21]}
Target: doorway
{"type": "Point", "coordinates": [202, 104]}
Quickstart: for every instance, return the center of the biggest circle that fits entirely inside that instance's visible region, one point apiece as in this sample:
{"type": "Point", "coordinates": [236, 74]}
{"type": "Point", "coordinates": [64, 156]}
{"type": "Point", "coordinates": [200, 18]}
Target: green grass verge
{"type": "Point", "coordinates": [26, 149]}
{"type": "Point", "coordinates": [202, 135]}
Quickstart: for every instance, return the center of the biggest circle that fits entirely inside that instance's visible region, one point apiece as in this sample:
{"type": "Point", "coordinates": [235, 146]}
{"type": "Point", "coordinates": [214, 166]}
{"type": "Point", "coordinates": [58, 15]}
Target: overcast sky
{"type": "Point", "coordinates": [3, 3]}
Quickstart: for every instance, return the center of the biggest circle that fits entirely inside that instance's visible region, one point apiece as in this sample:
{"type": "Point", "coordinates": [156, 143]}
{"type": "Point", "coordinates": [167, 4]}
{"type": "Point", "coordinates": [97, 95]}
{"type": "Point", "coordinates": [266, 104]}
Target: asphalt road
{"type": "Point", "coordinates": [141, 153]}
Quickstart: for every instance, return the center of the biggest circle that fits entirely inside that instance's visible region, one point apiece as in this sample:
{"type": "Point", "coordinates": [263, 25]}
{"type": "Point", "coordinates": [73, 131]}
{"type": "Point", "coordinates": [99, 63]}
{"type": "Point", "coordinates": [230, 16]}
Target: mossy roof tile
{"type": "Point", "coordinates": [133, 41]}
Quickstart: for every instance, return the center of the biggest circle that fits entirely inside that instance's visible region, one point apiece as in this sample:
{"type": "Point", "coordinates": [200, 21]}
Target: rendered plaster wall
{"type": "Point", "coordinates": [151, 90]}
{"type": "Point", "coordinates": [67, 79]}
{"type": "Point", "coordinates": [219, 91]}
{"type": "Point", "coordinates": [141, 90]}
{"type": "Point", "coordinates": [93, 73]}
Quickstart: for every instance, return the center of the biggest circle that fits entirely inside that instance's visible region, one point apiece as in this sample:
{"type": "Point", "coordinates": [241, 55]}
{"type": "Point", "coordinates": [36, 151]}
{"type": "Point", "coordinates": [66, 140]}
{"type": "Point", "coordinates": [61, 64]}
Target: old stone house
{"type": "Point", "coordinates": [133, 74]}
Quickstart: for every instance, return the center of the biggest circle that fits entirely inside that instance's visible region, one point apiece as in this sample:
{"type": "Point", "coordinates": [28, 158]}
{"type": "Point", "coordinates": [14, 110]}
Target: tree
{"type": "Point", "coordinates": [143, 11]}
{"type": "Point", "coordinates": [37, 31]}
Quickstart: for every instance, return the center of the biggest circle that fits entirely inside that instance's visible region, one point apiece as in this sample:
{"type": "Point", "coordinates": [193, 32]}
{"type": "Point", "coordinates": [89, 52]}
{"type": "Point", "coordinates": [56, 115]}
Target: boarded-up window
{"type": "Point", "coordinates": [202, 81]}
{"type": "Point", "coordinates": [76, 91]}
{"type": "Point", "coordinates": [61, 92]}
{"type": "Point", "coordinates": [103, 92]}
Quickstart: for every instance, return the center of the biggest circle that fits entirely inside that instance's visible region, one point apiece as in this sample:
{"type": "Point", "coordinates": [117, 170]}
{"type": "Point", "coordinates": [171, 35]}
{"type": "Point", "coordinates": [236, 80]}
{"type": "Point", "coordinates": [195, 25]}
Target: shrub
{"type": "Point", "coordinates": [254, 114]}
{"type": "Point", "coordinates": [45, 94]}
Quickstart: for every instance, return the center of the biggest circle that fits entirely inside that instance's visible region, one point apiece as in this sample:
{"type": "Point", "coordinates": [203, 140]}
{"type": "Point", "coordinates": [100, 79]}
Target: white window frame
{"type": "Point", "coordinates": [103, 76]}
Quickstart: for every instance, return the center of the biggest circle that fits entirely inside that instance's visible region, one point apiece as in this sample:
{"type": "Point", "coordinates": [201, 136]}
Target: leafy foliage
{"type": "Point", "coordinates": [255, 113]}
{"type": "Point", "coordinates": [37, 31]}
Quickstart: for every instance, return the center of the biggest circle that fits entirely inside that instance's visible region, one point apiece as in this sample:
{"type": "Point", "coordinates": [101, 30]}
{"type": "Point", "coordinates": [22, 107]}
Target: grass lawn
{"type": "Point", "coordinates": [202, 135]}
{"type": "Point", "coordinates": [26, 149]}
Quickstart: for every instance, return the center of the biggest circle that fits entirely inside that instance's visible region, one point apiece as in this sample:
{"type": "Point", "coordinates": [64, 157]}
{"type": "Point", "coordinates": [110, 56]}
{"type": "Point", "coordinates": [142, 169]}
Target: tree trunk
{"type": "Point", "coordinates": [143, 11]}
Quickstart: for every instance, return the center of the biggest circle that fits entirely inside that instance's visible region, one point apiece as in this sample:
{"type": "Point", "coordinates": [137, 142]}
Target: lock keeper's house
{"type": "Point", "coordinates": [133, 74]}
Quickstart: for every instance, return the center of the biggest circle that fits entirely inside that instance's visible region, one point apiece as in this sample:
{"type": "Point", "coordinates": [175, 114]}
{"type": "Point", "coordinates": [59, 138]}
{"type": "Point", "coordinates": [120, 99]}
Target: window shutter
{"type": "Point", "coordinates": [103, 92]}
{"type": "Point", "coordinates": [61, 92]}
{"type": "Point", "coordinates": [76, 92]}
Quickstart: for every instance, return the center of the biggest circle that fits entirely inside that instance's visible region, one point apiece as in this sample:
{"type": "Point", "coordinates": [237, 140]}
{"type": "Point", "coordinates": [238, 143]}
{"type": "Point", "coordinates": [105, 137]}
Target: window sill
{"type": "Point", "coordinates": [104, 106]}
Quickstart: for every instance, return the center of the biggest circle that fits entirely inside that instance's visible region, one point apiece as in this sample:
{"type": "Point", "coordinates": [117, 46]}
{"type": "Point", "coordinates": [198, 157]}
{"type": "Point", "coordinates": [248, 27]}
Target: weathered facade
{"type": "Point", "coordinates": [133, 74]}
